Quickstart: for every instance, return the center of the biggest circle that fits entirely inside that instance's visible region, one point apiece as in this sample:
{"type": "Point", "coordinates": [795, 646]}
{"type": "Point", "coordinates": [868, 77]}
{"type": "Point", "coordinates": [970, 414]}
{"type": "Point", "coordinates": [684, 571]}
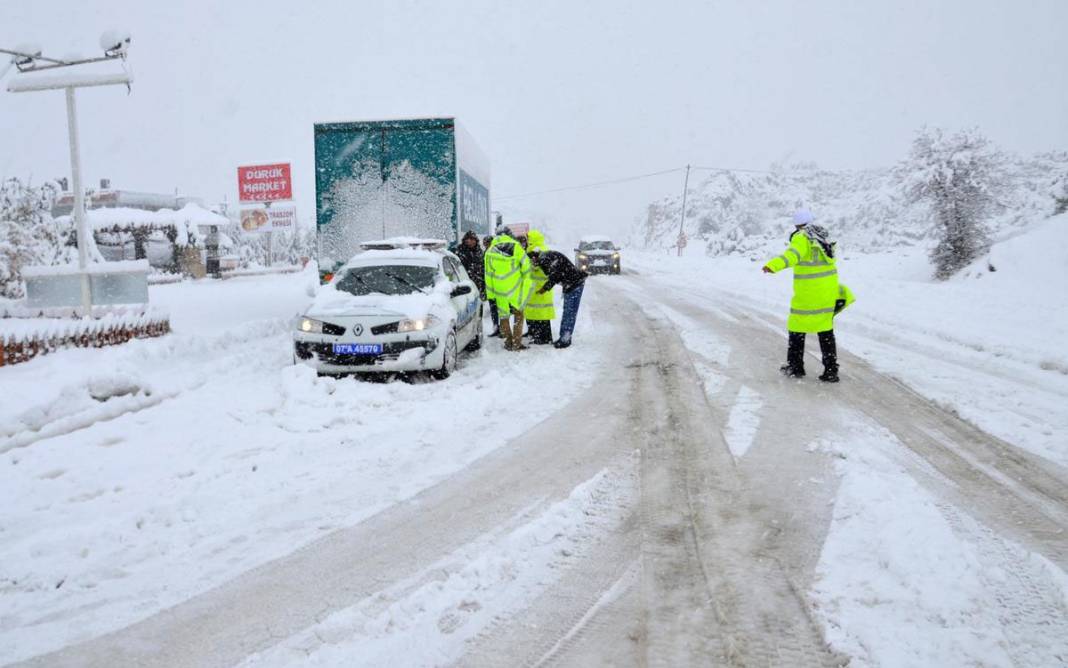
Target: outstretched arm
{"type": "Point", "coordinates": [790, 257]}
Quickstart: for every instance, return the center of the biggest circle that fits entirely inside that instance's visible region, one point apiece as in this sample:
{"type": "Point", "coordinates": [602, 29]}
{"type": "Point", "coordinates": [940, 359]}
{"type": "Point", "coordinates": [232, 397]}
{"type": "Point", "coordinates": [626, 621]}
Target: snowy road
{"type": "Point", "coordinates": [655, 495]}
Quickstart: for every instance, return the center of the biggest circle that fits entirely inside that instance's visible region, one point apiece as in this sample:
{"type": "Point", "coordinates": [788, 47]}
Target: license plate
{"type": "Point", "coordinates": [357, 348]}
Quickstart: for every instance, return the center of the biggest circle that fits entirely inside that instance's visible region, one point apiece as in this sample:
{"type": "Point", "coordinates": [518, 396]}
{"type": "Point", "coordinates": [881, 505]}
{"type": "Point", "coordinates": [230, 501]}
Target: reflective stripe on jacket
{"type": "Point", "coordinates": [540, 306]}
{"type": "Point", "coordinates": [508, 275]}
{"type": "Point", "coordinates": [815, 284]}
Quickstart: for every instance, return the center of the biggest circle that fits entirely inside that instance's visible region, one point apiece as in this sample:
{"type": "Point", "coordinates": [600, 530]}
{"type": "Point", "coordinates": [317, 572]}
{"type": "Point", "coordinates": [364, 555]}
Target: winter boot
{"type": "Point", "coordinates": [829, 349]}
{"type": "Point", "coordinates": [792, 371]}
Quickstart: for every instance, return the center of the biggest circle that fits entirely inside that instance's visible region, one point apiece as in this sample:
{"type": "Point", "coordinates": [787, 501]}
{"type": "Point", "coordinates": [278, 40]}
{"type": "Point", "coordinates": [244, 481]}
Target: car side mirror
{"type": "Point", "coordinates": [461, 290]}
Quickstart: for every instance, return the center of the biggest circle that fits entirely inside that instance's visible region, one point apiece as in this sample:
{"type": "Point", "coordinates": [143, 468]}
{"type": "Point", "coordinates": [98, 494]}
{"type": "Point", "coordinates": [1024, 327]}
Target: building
{"type": "Point", "coordinates": [112, 198]}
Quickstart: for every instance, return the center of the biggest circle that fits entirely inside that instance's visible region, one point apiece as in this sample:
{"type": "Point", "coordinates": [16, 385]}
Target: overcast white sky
{"type": "Point", "coordinates": [557, 93]}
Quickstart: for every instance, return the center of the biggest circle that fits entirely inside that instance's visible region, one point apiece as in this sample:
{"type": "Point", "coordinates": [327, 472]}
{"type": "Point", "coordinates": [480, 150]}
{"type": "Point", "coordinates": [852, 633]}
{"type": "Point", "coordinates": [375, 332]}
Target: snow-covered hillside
{"type": "Point", "coordinates": [740, 213]}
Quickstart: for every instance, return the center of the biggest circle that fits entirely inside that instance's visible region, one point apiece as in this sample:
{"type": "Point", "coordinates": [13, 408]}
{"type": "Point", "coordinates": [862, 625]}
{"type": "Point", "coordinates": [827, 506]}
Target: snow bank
{"type": "Point", "coordinates": [904, 580]}
{"type": "Point", "coordinates": [176, 464]}
{"type": "Point", "coordinates": [1031, 260]}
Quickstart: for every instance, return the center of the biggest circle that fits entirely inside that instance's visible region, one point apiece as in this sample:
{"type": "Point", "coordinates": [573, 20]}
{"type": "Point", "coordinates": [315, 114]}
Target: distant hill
{"type": "Point", "coordinates": [732, 213]}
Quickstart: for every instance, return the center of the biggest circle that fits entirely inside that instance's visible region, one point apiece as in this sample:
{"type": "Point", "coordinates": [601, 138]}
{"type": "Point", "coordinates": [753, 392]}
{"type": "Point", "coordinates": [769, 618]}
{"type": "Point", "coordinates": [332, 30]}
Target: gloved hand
{"type": "Point", "coordinates": [543, 289]}
{"type": "Point", "coordinates": [767, 270]}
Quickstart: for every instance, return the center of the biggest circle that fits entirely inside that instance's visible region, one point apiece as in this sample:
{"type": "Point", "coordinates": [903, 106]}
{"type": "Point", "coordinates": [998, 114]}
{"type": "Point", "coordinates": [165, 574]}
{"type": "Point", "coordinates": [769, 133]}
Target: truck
{"type": "Point", "coordinates": [422, 178]}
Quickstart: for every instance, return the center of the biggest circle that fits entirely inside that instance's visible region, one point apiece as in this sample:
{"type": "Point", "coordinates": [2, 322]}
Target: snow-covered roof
{"type": "Point", "coordinates": [405, 255]}
{"type": "Point", "coordinates": [595, 237]}
{"type": "Point", "coordinates": [123, 267]}
{"type": "Point", "coordinates": [190, 214]}
{"type": "Point", "coordinates": [403, 242]}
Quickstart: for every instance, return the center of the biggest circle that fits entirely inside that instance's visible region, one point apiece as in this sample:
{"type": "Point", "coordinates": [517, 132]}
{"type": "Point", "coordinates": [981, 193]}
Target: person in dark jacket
{"type": "Point", "coordinates": [486, 241]}
{"type": "Point", "coordinates": [559, 269]}
{"type": "Point", "coordinates": [470, 254]}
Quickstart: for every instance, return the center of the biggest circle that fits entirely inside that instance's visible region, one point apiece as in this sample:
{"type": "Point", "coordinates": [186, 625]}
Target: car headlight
{"type": "Point", "coordinates": [417, 325]}
{"type": "Point", "coordinates": [615, 256]}
{"type": "Point", "coordinates": [310, 326]}
{"type": "Point", "coordinates": [582, 256]}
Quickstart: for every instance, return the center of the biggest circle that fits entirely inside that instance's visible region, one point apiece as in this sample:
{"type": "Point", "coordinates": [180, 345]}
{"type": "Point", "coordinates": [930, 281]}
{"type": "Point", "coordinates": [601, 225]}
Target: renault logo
{"type": "Point", "coordinates": [357, 329]}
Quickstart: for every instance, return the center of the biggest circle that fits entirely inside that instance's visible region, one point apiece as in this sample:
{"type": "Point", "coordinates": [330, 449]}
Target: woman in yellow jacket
{"type": "Point", "coordinates": [818, 296]}
{"type": "Point", "coordinates": [540, 310]}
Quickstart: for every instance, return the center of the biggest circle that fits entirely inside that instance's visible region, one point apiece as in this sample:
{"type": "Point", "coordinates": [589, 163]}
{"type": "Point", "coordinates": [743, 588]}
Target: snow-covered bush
{"type": "Point", "coordinates": [959, 177]}
{"type": "Point", "coordinates": [28, 234]}
{"type": "Point", "coordinates": [1059, 191]}
{"type": "Point", "coordinates": [290, 247]}
{"type": "Point", "coordinates": [736, 213]}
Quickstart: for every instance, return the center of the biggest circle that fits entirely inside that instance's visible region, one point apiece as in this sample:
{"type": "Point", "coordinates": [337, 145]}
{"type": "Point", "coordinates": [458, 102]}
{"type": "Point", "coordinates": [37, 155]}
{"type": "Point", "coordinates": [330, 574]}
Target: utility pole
{"type": "Point", "coordinates": [682, 217]}
{"type": "Point", "coordinates": [79, 201]}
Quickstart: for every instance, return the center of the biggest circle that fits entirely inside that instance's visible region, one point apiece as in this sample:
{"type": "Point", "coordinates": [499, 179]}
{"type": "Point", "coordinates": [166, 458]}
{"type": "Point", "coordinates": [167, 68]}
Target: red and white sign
{"type": "Point", "coordinates": [264, 183]}
{"type": "Point", "coordinates": [271, 219]}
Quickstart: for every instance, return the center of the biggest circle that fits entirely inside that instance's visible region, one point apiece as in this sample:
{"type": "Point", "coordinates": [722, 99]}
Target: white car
{"type": "Point", "coordinates": [401, 306]}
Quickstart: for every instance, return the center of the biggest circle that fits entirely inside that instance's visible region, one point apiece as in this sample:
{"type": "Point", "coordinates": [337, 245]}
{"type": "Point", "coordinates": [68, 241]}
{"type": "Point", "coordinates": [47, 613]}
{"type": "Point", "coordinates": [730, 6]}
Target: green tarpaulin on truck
{"type": "Point", "coordinates": [380, 179]}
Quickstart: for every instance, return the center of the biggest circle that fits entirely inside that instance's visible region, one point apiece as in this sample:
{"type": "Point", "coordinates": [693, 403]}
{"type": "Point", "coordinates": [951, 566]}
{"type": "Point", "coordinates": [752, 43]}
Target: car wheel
{"type": "Point", "coordinates": [448, 364]}
{"type": "Point", "coordinates": [476, 342]}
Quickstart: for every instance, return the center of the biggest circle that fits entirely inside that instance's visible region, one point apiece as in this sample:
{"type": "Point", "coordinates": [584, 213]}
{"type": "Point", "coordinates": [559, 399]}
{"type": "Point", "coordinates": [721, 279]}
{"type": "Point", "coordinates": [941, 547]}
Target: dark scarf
{"type": "Point", "coordinates": [819, 235]}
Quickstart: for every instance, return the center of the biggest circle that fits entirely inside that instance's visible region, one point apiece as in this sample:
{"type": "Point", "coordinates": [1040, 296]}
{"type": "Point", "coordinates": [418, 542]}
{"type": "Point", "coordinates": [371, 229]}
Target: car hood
{"type": "Point", "coordinates": [598, 252]}
{"type": "Point", "coordinates": [331, 302]}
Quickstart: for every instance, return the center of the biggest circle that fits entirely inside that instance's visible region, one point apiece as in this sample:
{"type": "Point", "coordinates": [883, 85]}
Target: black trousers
{"type": "Point", "coordinates": [795, 350]}
{"type": "Point", "coordinates": [541, 331]}
{"type": "Point", "coordinates": [493, 315]}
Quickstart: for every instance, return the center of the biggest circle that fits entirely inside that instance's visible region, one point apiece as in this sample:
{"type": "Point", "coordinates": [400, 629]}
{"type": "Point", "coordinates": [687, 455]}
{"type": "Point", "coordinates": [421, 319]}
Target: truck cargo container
{"type": "Point", "coordinates": [423, 178]}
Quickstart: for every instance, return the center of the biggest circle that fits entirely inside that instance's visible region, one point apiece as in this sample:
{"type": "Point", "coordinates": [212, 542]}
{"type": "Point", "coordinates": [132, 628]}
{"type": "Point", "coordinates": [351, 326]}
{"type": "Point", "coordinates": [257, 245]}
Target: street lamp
{"type": "Point", "coordinates": [29, 59]}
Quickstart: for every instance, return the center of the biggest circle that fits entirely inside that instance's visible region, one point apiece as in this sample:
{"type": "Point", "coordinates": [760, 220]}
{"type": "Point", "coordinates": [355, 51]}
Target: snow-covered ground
{"type": "Point", "coordinates": [137, 476]}
{"type": "Point", "coordinates": [987, 344]}
{"type": "Point", "coordinates": [906, 578]}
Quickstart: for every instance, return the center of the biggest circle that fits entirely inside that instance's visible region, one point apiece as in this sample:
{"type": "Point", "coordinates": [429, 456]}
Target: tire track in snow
{"type": "Point", "coordinates": [454, 598]}
{"type": "Point", "coordinates": [744, 421]}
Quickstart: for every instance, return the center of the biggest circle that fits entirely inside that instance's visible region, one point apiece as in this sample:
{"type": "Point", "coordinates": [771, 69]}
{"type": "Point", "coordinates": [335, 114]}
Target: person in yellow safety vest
{"type": "Point", "coordinates": [540, 311]}
{"type": "Point", "coordinates": [818, 296]}
{"type": "Point", "coordinates": [508, 284]}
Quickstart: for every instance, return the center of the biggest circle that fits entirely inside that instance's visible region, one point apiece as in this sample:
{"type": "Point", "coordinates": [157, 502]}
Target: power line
{"type": "Point", "coordinates": [592, 185]}
{"type": "Point", "coordinates": [744, 171]}
{"type": "Point", "coordinates": [625, 179]}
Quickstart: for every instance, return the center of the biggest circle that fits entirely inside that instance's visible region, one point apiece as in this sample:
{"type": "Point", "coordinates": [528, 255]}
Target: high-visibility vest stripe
{"type": "Point", "coordinates": [822, 274]}
{"type": "Point", "coordinates": [818, 311]}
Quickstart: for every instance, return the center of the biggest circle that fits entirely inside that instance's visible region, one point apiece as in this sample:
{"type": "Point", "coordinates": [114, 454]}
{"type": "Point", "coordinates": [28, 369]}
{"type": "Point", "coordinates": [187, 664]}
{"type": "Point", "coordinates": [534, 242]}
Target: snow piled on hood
{"type": "Point", "coordinates": [333, 302]}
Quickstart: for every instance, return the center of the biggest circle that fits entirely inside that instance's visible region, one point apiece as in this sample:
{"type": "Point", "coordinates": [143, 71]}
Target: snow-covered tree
{"type": "Point", "coordinates": [28, 234]}
{"type": "Point", "coordinates": [959, 177]}
{"type": "Point", "coordinates": [1059, 191]}
{"type": "Point", "coordinates": [287, 247]}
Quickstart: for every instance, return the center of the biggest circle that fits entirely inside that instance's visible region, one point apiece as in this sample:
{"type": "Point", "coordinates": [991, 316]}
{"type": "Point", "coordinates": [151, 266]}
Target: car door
{"type": "Point", "coordinates": [466, 305]}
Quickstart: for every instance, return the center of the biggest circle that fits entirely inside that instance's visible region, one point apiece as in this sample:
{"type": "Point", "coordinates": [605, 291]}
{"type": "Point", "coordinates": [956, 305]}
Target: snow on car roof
{"type": "Point", "coordinates": [594, 237]}
{"type": "Point", "coordinates": [403, 242]}
{"type": "Point", "coordinates": [405, 255]}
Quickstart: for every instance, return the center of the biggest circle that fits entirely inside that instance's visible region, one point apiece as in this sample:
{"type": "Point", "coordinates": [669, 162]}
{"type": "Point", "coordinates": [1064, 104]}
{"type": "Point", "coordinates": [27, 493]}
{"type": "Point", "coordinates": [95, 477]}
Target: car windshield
{"type": "Point", "coordinates": [596, 245]}
{"type": "Point", "coordinates": [387, 279]}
